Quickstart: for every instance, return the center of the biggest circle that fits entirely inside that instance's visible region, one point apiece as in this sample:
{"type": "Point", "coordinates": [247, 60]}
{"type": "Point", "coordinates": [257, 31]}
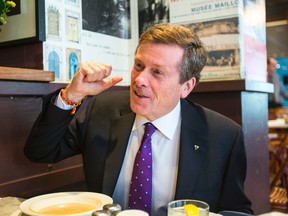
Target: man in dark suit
{"type": "Point", "coordinates": [197, 153]}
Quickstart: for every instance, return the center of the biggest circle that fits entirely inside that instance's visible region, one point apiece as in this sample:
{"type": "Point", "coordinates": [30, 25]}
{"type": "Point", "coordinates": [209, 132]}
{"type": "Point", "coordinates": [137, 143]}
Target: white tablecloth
{"type": "Point", "coordinates": [9, 206]}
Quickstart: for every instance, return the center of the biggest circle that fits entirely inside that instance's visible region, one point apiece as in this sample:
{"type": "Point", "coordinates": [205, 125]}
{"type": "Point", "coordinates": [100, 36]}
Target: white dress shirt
{"type": "Point", "coordinates": [165, 152]}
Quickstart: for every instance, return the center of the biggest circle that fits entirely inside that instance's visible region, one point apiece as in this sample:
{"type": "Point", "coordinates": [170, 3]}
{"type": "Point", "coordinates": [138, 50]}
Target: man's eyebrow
{"type": "Point", "coordinates": [160, 66]}
{"type": "Point", "coordinates": [154, 65]}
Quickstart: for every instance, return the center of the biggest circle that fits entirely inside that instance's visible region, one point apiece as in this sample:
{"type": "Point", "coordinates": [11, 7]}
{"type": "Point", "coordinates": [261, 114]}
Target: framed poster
{"type": "Point", "coordinates": [25, 26]}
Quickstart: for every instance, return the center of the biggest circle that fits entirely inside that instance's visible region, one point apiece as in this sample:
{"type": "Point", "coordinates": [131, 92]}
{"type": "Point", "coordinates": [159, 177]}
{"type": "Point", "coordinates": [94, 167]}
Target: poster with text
{"type": "Point", "coordinates": [182, 11]}
{"type": "Point", "coordinates": [221, 38]}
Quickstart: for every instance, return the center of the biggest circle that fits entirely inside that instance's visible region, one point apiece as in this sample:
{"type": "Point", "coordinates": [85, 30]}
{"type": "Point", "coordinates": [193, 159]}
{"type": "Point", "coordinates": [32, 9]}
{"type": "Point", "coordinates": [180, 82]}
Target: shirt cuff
{"type": "Point", "coordinates": [60, 103]}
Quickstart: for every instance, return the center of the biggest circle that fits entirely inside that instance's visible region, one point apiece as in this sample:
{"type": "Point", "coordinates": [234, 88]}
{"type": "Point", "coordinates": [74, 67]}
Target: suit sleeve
{"type": "Point", "coordinates": [50, 140]}
{"type": "Point", "coordinates": [233, 186]}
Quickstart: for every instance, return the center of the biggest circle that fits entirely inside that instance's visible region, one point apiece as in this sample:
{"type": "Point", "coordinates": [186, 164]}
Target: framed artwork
{"type": "Point", "coordinates": [73, 59]}
{"type": "Point", "coordinates": [72, 26]}
{"type": "Point", "coordinates": [27, 25]}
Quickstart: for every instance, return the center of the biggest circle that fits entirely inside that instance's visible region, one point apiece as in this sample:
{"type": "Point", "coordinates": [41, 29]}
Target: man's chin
{"type": "Point", "coordinates": [137, 108]}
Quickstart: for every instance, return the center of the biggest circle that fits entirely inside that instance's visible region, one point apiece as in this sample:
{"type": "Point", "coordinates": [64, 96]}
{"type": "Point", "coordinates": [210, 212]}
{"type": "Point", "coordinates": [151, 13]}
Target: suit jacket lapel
{"type": "Point", "coordinates": [192, 150]}
{"type": "Point", "coordinates": [121, 128]}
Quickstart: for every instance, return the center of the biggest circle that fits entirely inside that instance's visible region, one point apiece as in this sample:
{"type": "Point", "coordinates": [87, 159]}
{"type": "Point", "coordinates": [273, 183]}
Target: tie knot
{"type": "Point", "coordinates": [149, 129]}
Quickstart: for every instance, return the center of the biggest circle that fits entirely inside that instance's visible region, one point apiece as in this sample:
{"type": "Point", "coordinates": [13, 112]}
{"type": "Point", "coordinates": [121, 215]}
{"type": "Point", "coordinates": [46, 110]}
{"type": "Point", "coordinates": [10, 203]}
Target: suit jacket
{"type": "Point", "coordinates": [212, 162]}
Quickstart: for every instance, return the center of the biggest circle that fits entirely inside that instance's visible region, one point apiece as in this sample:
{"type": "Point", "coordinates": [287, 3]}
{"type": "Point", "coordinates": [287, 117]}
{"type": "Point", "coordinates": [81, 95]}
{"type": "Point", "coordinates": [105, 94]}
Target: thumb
{"type": "Point", "coordinates": [112, 81]}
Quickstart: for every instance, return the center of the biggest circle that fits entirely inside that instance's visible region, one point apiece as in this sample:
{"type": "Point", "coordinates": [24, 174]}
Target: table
{"type": "Point", "coordinates": [9, 206]}
{"type": "Point", "coordinates": [278, 151]}
{"type": "Point", "coordinates": [278, 146]}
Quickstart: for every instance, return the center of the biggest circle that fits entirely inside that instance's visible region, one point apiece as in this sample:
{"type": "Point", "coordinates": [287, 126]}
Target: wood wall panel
{"type": "Point", "coordinates": [19, 176]}
{"type": "Point", "coordinates": [28, 55]}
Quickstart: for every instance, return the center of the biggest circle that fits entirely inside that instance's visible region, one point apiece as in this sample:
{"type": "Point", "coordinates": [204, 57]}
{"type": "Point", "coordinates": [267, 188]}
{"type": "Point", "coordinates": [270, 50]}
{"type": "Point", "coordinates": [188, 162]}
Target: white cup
{"type": "Point", "coordinates": [132, 212]}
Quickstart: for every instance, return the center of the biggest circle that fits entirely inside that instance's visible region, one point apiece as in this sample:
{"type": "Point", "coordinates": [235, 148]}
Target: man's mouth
{"type": "Point", "coordinates": [140, 95]}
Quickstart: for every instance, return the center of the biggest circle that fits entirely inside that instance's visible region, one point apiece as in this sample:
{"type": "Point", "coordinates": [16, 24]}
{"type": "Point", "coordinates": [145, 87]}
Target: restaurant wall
{"type": "Point", "coordinates": [107, 32]}
{"type": "Point", "coordinates": [233, 31]}
{"type": "Point", "coordinates": [78, 31]}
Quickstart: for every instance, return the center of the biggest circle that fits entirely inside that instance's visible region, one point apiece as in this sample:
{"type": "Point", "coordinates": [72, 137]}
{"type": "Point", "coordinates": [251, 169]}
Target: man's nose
{"type": "Point", "coordinates": [142, 78]}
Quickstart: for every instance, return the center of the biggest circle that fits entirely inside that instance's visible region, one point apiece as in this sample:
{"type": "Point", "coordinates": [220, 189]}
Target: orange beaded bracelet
{"type": "Point", "coordinates": [69, 102]}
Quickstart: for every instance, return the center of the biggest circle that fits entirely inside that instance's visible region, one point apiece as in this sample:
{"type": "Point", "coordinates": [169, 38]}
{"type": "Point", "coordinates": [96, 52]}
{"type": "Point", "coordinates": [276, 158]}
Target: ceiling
{"type": "Point", "coordinates": [275, 2]}
{"type": "Point", "coordinates": [276, 33]}
{"type": "Point", "coordinates": [276, 10]}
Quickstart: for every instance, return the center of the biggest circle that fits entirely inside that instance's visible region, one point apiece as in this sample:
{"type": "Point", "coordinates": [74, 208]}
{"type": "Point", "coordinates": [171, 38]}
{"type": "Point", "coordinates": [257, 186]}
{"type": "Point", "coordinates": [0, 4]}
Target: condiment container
{"type": "Point", "coordinates": [101, 213]}
{"type": "Point", "coordinates": [113, 208]}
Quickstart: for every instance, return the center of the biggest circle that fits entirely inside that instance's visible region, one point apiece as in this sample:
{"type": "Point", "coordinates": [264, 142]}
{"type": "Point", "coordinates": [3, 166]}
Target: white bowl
{"type": "Point", "coordinates": [65, 204]}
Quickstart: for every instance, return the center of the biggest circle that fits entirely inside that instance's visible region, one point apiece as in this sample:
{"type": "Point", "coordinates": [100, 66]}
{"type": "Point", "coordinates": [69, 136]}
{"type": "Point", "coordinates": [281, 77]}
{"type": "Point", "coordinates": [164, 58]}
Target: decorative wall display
{"type": "Point", "coordinates": [73, 59]}
{"type": "Point", "coordinates": [199, 10]}
{"type": "Point", "coordinates": [53, 22]}
{"type": "Point", "coordinates": [54, 60]}
{"type": "Point", "coordinates": [31, 17]}
{"type": "Point", "coordinates": [221, 38]}
{"type": "Point", "coordinates": [233, 32]}
{"type": "Point", "coordinates": [89, 30]}
{"type": "Point", "coordinates": [107, 17]}
{"type": "Point", "coordinates": [73, 2]}
{"type": "Point", "coordinates": [72, 27]}
{"type": "Point", "coordinates": [152, 12]}
{"type": "Point", "coordinates": [107, 31]}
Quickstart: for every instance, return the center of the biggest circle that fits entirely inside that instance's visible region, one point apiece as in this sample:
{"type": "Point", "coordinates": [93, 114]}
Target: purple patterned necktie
{"type": "Point", "coordinates": [141, 180]}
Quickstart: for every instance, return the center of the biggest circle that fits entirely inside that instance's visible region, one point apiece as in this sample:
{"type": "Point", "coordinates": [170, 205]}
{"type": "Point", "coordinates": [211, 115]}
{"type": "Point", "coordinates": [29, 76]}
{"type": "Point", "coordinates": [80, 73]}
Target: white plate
{"type": "Point", "coordinates": [214, 214]}
{"type": "Point", "coordinates": [85, 202]}
{"type": "Point", "coordinates": [18, 213]}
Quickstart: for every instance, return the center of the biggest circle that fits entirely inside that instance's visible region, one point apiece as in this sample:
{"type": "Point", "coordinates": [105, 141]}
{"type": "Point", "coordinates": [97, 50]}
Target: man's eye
{"type": "Point", "coordinates": [138, 66]}
{"type": "Point", "coordinates": [157, 72]}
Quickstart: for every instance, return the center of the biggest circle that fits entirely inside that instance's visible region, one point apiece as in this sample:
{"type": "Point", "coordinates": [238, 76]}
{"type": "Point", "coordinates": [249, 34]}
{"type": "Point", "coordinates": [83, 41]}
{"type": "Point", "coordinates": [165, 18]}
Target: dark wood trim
{"type": "Point", "coordinates": [39, 88]}
{"type": "Point", "coordinates": [22, 88]}
{"type": "Point", "coordinates": [21, 74]}
{"type": "Point", "coordinates": [48, 181]}
{"type": "Point", "coordinates": [233, 85]}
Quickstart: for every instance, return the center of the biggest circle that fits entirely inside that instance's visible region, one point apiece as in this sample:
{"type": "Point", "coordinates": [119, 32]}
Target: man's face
{"type": "Point", "coordinates": [155, 88]}
{"type": "Point", "coordinates": [272, 66]}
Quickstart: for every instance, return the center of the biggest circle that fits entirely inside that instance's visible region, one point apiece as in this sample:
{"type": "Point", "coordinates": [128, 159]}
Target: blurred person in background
{"type": "Point", "coordinates": [275, 99]}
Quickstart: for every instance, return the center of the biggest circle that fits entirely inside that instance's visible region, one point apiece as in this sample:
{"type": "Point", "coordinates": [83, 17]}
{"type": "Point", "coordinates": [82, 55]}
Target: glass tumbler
{"type": "Point", "coordinates": [176, 208]}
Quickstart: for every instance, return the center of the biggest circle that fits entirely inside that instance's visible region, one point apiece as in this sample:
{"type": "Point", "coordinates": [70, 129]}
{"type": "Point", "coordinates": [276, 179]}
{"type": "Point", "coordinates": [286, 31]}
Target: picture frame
{"type": "Point", "coordinates": [27, 26]}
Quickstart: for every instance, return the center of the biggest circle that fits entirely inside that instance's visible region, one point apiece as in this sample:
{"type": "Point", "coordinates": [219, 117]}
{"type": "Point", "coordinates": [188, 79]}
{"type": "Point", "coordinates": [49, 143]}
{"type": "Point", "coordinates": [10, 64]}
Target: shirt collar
{"type": "Point", "coordinates": [166, 124]}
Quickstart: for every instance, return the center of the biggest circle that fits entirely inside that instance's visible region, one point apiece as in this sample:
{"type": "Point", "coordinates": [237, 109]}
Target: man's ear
{"type": "Point", "coordinates": [187, 87]}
